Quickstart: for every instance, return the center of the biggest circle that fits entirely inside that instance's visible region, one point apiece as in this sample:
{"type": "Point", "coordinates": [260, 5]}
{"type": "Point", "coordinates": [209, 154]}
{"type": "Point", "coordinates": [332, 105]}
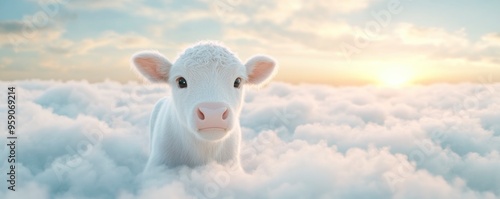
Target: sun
{"type": "Point", "coordinates": [395, 76]}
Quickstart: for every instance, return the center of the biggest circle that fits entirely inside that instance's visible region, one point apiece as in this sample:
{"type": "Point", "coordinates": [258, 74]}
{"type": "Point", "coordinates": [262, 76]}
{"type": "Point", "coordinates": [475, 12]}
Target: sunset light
{"type": "Point", "coordinates": [395, 76]}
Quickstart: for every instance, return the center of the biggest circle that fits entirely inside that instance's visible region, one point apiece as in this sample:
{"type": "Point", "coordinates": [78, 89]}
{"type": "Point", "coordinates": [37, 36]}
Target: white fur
{"type": "Point", "coordinates": [210, 70]}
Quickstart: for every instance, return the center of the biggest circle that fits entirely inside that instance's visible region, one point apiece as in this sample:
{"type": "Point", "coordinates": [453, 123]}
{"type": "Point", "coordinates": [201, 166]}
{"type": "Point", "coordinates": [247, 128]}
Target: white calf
{"type": "Point", "coordinates": [199, 123]}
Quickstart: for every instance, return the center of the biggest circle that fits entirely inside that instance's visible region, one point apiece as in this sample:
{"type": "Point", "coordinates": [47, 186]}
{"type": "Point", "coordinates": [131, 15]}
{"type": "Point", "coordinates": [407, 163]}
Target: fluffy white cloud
{"type": "Point", "coordinates": [82, 140]}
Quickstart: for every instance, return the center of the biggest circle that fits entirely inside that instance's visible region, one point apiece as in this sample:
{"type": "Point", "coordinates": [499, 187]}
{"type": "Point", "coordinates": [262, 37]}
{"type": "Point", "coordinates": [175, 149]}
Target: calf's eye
{"type": "Point", "coordinates": [182, 82]}
{"type": "Point", "coordinates": [237, 82]}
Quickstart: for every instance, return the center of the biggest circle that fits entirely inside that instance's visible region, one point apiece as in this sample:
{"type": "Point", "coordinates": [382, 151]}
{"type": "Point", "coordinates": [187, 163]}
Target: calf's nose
{"type": "Point", "coordinates": [212, 115]}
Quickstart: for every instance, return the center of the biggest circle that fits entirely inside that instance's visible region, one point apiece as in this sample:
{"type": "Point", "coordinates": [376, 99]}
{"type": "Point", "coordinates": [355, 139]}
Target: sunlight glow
{"type": "Point", "coordinates": [395, 76]}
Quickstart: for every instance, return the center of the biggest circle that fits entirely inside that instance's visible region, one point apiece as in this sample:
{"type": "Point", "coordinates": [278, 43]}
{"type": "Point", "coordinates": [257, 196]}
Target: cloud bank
{"type": "Point", "coordinates": [82, 140]}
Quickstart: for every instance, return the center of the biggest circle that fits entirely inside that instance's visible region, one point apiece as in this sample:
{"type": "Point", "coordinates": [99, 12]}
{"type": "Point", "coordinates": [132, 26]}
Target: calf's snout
{"type": "Point", "coordinates": [212, 115]}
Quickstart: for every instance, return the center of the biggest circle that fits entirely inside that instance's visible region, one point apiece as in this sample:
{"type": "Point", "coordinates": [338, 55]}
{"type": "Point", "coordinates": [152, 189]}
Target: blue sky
{"type": "Point", "coordinates": [314, 41]}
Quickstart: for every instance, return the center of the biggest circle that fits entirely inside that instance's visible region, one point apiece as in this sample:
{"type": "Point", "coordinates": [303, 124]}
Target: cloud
{"type": "Point", "coordinates": [493, 38]}
{"type": "Point", "coordinates": [10, 26]}
{"type": "Point", "coordinates": [81, 140]}
{"type": "Point", "coordinates": [414, 35]}
{"type": "Point", "coordinates": [4, 62]}
{"type": "Point", "coordinates": [96, 5]}
{"type": "Point", "coordinates": [279, 12]}
{"type": "Point", "coordinates": [22, 35]}
{"type": "Point", "coordinates": [106, 39]}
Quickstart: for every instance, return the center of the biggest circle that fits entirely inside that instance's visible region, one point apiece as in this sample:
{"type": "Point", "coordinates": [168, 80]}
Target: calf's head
{"type": "Point", "coordinates": [207, 82]}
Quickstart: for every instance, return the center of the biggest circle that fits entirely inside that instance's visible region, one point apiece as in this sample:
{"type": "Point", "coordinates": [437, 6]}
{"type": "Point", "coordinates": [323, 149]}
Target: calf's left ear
{"type": "Point", "coordinates": [260, 69]}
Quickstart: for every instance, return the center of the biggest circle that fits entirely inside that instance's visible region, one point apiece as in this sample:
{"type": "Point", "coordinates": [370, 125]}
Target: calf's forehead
{"type": "Point", "coordinates": [207, 59]}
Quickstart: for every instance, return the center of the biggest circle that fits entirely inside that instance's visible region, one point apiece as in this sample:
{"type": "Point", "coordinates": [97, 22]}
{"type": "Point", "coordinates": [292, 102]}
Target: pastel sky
{"type": "Point", "coordinates": [330, 42]}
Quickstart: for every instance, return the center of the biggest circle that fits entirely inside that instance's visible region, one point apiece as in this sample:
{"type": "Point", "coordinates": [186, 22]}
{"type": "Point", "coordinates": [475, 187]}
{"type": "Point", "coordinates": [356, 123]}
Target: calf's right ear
{"type": "Point", "coordinates": [152, 65]}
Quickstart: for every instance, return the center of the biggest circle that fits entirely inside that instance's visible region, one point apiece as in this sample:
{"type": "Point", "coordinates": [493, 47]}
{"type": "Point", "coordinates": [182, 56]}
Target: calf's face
{"type": "Point", "coordinates": [207, 85]}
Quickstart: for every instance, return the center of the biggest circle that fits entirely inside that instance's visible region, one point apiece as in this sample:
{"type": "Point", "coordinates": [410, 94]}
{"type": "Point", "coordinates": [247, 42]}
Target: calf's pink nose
{"type": "Point", "coordinates": [212, 115]}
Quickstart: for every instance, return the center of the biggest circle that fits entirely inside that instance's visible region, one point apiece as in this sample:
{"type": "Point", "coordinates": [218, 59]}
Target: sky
{"type": "Point", "coordinates": [334, 42]}
{"type": "Point", "coordinates": [90, 140]}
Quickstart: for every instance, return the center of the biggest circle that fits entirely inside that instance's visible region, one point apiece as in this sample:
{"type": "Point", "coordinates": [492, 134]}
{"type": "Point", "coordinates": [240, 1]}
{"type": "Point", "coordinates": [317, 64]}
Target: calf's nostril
{"type": "Point", "coordinates": [224, 115]}
{"type": "Point", "coordinates": [200, 114]}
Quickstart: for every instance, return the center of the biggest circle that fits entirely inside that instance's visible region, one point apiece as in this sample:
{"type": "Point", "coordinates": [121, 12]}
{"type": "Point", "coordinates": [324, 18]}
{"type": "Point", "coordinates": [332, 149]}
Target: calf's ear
{"type": "Point", "coordinates": [152, 65]}
{"type": "Point", "coordinates": [260, 69]}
